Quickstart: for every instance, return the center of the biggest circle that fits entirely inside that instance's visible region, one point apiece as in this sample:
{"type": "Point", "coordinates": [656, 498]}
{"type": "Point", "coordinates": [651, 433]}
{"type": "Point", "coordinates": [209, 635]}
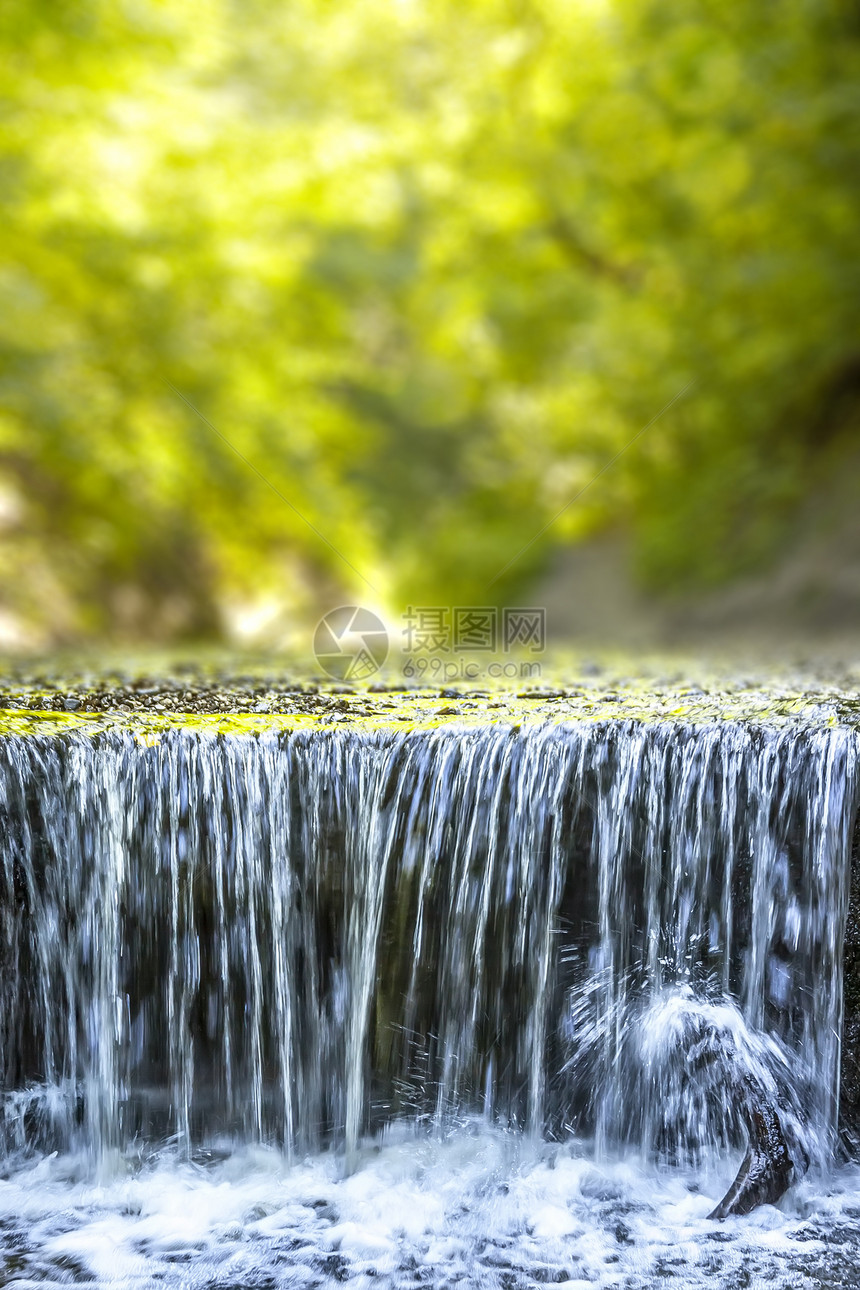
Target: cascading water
{"type": "Point", "coordinates": [593, 934]}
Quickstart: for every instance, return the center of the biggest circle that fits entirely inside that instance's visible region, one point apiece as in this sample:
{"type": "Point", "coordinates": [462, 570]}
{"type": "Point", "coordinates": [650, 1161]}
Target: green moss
{"type": "Point", "coordinates": [365, 712]}
{"type": "Point", "coordinates": [246, 696]}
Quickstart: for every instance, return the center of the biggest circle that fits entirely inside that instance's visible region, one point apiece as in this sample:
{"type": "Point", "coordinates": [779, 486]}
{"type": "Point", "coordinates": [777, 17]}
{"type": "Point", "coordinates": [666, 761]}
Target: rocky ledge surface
{"type": "Point", "coordinates": [257, 695]}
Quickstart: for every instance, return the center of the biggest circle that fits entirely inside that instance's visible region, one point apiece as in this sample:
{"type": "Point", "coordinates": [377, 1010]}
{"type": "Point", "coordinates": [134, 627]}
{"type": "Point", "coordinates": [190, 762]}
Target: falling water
{"type": "Point", "coordinates": [590, 933]}
{"type": "Point", "coordinates": [302, 937]}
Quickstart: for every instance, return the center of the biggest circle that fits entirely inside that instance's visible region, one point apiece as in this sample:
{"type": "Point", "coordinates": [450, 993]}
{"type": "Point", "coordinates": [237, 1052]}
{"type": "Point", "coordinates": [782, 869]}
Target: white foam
{"type": "Point", "coordinates": [482, 1208]}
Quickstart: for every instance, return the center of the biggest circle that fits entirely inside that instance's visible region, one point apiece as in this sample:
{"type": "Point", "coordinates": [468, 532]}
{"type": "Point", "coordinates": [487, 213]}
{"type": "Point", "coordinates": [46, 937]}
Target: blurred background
{"type": "Point", "coordinates": [315, 303]}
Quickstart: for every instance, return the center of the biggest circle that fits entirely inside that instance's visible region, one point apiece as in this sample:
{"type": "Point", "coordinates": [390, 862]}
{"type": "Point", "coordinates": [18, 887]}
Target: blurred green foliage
{"type": "Point", "coordinates": [428, 267]}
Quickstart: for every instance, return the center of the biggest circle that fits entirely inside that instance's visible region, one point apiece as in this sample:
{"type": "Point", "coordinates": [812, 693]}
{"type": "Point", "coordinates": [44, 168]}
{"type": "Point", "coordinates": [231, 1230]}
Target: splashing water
{"type": "Point", "coordinates": [546, 962]}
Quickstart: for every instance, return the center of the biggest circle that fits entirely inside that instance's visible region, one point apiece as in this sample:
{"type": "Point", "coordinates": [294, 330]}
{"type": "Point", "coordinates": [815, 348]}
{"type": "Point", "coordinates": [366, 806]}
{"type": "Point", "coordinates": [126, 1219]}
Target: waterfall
{"type": "Point", "coordinates": [595, 929]}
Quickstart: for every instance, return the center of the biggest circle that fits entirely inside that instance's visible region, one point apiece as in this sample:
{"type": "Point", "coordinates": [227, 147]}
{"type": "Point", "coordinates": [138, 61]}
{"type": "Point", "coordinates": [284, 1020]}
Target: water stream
{"type": "Point", "coordinates": [452, 1007]}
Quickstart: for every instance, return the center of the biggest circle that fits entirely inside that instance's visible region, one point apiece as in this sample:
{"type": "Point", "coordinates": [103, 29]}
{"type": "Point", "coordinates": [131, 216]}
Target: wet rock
{"type": "Point", "coordinates": [850, 1071]}
{"type": "Point", "coordinates": [334, 1266]}
{"type": "Point", "coordinates": [767, 1169]}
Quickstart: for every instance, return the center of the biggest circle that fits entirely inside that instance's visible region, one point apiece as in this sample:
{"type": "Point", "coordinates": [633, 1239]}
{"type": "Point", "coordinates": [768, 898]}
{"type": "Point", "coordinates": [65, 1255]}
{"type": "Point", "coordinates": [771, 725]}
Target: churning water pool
{"type": "Point", "coordinates": [483, 1208]}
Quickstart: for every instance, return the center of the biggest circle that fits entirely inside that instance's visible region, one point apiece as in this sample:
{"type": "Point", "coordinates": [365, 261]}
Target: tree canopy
{"type": "Point", "coordinates": [423, 270]}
